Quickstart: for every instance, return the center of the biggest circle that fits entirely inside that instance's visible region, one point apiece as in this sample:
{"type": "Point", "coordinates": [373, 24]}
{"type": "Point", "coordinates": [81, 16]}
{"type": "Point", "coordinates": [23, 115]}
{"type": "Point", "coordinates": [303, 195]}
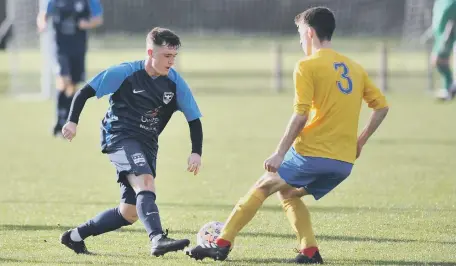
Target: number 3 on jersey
{"type": "Point", "coordinates": [344, 75]}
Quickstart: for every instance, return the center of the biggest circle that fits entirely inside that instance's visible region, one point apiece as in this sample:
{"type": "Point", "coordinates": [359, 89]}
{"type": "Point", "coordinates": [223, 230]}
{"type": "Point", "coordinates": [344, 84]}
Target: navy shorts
{"type": "Point", "coordinates": [72, 66]}
{"type": "Point", "coordinates": [316, 175]}
{"type": "Point", "coordinates": [131, 157]}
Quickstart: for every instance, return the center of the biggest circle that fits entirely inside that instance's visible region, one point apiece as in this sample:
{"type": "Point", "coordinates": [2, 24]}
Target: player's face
{"type": "Point", "coordinates": [163, 58]}
{"type": "Point", "coordinates": [305, 38]}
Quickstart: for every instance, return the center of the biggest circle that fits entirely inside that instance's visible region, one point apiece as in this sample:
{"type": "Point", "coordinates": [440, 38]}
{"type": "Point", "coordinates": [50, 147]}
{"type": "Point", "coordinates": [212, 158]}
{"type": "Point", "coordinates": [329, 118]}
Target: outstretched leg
{"type": "Point", "coordinates": [242, 214]}
{"type": "Point", "coordinates": [104, 222]}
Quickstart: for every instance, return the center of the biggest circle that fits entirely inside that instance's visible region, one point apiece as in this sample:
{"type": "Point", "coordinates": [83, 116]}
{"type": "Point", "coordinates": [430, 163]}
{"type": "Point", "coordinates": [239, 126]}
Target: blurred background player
{"type": "Point", "coordinates": [145, 94]}
{"type": "Point", "coordinates": [312, 158]}
{"type": "Point", "coordinates": [70, 19]}
{"type": "Point", "coordinates": [443, 28]}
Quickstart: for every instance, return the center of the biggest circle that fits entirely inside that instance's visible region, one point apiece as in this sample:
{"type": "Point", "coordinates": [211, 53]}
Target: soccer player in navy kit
{"type": "Point", "coordinates": [144, 96]}
{"type": "Point", "coordinates": [71, 20]}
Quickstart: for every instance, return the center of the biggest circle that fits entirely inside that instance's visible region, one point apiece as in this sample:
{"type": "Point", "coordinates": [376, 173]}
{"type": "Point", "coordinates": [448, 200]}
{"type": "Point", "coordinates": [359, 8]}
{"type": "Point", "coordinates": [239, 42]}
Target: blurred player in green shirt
{"type": "Point", "coordinates": [443, 28]}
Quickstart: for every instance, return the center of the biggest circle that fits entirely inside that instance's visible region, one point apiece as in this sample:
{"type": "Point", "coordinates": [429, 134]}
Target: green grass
{"type": "Point", "coordinates": [397, 207]}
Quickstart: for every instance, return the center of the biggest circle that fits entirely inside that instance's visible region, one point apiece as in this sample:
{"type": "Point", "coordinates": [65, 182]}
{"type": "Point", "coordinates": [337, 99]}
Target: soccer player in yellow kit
{"type": "Point", "coordinates": [316, 153]}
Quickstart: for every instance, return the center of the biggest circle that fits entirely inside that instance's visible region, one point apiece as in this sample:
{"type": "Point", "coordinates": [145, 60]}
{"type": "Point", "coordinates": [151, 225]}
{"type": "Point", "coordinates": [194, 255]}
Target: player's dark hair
{"type": "Point", "coordinates": [161, 36]}
{"type": "Point", "coordinates": [321, 19]}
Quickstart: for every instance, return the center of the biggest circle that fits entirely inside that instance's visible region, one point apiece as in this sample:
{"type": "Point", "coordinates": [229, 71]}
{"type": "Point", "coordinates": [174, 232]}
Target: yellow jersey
{"type": "Point", "coordinates": [329, 88]}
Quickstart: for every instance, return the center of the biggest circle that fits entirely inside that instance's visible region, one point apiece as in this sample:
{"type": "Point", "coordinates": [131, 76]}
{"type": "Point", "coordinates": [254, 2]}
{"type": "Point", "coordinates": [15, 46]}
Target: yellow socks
{"type": "Point", "coordinates": [241, 215]}
{"type": "Point", "coordinates": [299, 217]}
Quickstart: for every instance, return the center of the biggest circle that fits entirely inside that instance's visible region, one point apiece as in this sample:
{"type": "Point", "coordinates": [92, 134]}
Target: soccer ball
{"type": "Point", "coordinates": [209, 233]}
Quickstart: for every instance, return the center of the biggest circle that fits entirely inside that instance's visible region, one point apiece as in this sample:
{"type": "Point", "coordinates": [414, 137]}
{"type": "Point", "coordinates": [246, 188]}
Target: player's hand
{"type": "Point", "coordinates": [41, 24]}
{"type": "Point", "coordinates": [273, 163]}
{"type": "Point", "coordinates": [194, 163]}
{"type": "Point", "coordinates": [84, 24]}
{"type": "Point", "coordinates": [69, 130]}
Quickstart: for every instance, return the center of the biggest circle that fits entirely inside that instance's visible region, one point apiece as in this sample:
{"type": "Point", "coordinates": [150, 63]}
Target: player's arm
{"type": "Point", "coordinates": [96, 16]}
{"type": "Point", "coordinates": [187, 104]}
{"type": "Point", "coordinates": [42, 17]}
{"type": "Point", "coordinates": [375, 100]}
{"type": "Point", "coordinates": [106, 82]}
{"type": "Point", "coordinates": [304, 91]}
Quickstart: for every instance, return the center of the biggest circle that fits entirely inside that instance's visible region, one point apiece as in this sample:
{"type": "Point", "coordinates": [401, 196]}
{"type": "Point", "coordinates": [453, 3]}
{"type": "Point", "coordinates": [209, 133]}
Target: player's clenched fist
{"type": "Point", "coordinates": [69, 130]}
{"type": "Point", "coordinates": [194, 163]}
{"type": "Point", "coordinates": [273, 163]}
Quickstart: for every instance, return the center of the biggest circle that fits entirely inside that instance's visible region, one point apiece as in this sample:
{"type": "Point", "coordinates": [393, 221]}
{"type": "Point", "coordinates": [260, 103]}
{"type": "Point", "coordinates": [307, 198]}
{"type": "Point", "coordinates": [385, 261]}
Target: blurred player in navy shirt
{"type": "Point", "coordinates": [144, 95]}
{"type": "Point", "coordinates": [70, 19]}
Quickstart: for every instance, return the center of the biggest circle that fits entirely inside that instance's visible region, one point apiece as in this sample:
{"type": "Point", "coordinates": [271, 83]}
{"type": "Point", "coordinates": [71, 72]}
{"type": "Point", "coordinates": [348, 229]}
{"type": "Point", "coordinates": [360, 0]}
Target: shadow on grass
{"type": "Point", "coordinates": [62, 228]}
{"type": "Point", "coordinates": [263, 261]}
{"type": "Point", "coordinates": [38, 261]}
{"type": "Point", "coordinates": [391, 262]}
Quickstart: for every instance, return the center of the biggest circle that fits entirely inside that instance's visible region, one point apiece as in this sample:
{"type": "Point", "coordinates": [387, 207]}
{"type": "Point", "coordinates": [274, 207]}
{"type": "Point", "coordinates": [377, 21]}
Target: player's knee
{"type": "Point", "coordinates": [441, 62]}
{"type": "Point", "coordinates": [268, 183]}
{"type": "Point", "coordinates": [128, 212]}
{"type": "Point", "coordinates": [144, 182]}
{"type": "Point", "coordinates": [70, 89]}
{"type": "Point", "coordinates": [292, 192]}
{"type": "Point", "coordinates": [62, 83]}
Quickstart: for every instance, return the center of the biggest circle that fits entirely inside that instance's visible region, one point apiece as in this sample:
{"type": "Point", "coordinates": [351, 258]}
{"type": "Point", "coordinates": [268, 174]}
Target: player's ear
{"type": "Point", "coordinates": [149, 52]}
{"type": "Point", "coordinates": [310, 32]}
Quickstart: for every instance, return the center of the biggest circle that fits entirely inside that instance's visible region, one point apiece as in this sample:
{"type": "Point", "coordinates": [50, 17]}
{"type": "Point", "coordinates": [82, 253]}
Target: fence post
{"type": "Point", "coordinates": [277, 68]}
{"type": "Point", "coordinates": [383, 73]}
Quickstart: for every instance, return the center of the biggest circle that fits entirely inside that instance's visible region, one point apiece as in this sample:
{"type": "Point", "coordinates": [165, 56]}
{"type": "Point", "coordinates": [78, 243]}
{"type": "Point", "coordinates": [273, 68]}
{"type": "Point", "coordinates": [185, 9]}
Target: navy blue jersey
{"type": "Point", "coordinates": [65, 15]}
{"type": "Point", "coordinates": [141, 105]}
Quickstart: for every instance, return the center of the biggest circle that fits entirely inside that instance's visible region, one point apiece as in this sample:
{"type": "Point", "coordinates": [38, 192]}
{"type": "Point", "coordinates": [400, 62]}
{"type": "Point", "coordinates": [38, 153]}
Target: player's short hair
{"type": "Point", "coordinates": [321, 19]}
{"type": "Point", "coordinates": [162, 37]}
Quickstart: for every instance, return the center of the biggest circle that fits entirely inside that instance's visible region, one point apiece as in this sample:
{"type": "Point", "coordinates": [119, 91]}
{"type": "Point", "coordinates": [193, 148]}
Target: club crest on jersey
{"type": "Point", "coordinates": [167, 97]}
{"type": "Point", "coordinates": [138, 159]}
{"type": "Point", "coordinates": [79, 6]}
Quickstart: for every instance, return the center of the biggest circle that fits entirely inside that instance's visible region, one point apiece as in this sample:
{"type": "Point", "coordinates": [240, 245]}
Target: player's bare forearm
{"type": "Point", "coordinates": [91, 23]}
{"type": "Point", "coordinates": [375, 120]}
{"type": "Point", "coordinates": [95, 22]}
{"type": "Point", "coordinates": [41, 21]}
{"type": "Point", "coordinates": [295, 126]}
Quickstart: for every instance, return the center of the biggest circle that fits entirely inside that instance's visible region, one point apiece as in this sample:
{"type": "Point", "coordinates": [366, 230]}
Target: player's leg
{"type": "Point", "coordinates": [241, 215]}
{"type": "Point", "coordinates": [106, 221]}
{"type": "Point", "coordinates": [299, 217]}
{"type": "Point", "coordinates": [141, 178]}
{"type": "Point", "coordinates": [144, 186]}
{"type": "Point", "coordinates": [77, 75]}
{"type": "Point", "coordinates": [316, 177]}
{"type": "Point", "coordinates": [441, 61]}
{"type": "Point", "coordinates": [62, 82]}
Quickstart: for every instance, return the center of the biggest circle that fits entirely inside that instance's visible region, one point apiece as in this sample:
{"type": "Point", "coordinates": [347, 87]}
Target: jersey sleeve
{"type": "Point", "coordinates": [110, 80]}
{"type": "Point", "coordinates": [47, 7]}
{"type": "Point", "coordinates": [304, 88]}
{"type": "Point", "coordinates": [372, 94]}
{"type": "Point", "coordinates": [96, 9]}
{"type": "Point", "coordinates": [185, 101]}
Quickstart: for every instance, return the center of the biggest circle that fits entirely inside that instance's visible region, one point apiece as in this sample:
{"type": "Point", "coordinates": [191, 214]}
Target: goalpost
{"type": "Point", "coordinates": [28, 50]}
